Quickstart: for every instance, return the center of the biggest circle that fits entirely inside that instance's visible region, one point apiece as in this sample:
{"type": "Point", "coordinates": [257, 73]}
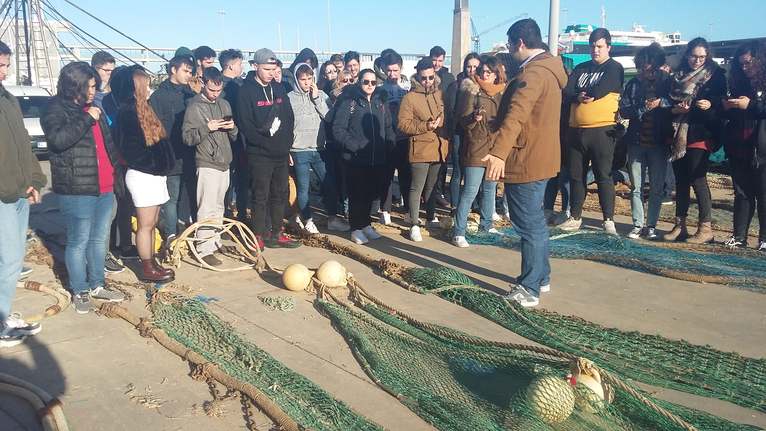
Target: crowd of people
{"type": "Point", "coordinates": [209, 143]}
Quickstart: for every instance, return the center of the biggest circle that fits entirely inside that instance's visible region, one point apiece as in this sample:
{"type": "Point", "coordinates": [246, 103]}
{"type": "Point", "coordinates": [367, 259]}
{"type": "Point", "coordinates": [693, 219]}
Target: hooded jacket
{"type": "Point", "coordinates": [527, 121]}
{"type": "Point", "coordinates": [746, 129]}
{"type": "Point", "coordinates": [169, 103]}
{"type": "Point", "coordinates": [309, 113]}
{"type": "Point", "coordinates": [306, 55]}
{"type": "Point", "coordinates": [362, 128]}
{"type": "Point", "coordinates": [69, 132]}
{"type": "Point", "coordinates": [213, 148]}
{"type": "Point", "coordinates": [417, 108]}
{"type": "Point", "coordinates": [258, 107]}
{"type": "Point", "coordinates": [477, 95]}
{"type": "Point", "coordinates": [19, 167]}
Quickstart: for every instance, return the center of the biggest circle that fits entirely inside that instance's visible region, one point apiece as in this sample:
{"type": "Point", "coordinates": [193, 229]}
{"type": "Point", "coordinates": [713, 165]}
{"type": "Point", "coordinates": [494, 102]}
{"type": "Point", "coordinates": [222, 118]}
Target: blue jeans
{"type": "Point", "coordinates": [304, 162]}
{"type": "Point", "coordinates": [168, 222]}
{"type": "Point", "coordinates": [474, 179]}
{"type": "Point", "coordinates": [525, 202]}
{"type": "Point", "coordinates": [13, 241]}
{"type": "Point", "coordinates": [559, 183]}
{"type": "Point", "coordinates": [87, 220]}
{"type": "Point", "coordinates": [457, 173]}
{"type": "Point", "coordinates": [641, 159]}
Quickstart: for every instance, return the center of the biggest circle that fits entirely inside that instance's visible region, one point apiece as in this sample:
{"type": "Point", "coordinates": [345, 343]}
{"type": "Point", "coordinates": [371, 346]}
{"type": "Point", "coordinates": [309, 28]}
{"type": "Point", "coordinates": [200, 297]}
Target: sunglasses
{"type": "Point", "coordinates": [369, 82]}
{"type": "Point", "coordinates": [428, 78]}
{"type": "Point", "coordinates": [346, 81]}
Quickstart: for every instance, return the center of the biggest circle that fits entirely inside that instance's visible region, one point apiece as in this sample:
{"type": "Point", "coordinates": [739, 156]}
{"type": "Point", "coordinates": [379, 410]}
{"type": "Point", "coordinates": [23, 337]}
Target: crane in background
{"type": "Point", "coordinates": [476, 35]}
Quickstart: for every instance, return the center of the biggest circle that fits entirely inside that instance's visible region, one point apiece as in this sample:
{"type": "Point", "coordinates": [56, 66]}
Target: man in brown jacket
{"type": "Point", "coordinates": [526, 152]}
{"type": "Point", "coordinates": [421, 117]}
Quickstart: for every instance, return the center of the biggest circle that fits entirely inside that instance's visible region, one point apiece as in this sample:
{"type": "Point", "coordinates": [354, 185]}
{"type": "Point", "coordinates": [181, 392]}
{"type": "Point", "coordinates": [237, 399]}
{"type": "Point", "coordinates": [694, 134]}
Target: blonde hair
{"type": "Point", "coordinates": [147, 119]}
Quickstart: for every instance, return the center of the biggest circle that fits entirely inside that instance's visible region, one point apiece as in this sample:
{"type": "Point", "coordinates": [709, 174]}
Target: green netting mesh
{"type": "Point", "coordinates": [651, 359]}
{"type": "Point", "coordinates": [190, 323]}
{"type": "Point", "coordinates": [743, 269]}
{"type": "Point", "coordinates": [457, 382]}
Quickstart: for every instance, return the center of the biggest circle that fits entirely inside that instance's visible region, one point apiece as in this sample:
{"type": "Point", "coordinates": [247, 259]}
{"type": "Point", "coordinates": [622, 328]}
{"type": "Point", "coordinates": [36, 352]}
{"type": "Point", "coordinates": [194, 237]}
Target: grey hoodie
{"type": "Point", "coordinates": [213, 148]}
{"type": "Point", "coordinates": [309, 118]}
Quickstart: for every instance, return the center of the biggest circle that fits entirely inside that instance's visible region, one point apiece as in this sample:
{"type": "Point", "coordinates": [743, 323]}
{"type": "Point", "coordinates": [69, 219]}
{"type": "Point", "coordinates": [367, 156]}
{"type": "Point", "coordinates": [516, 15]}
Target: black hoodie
{"type": "Point", "coordinates": [306, 55]}
{"type": "Point", "coordinates": [169, 103]}
{"type": "Point", "coordinates": [258, 106]}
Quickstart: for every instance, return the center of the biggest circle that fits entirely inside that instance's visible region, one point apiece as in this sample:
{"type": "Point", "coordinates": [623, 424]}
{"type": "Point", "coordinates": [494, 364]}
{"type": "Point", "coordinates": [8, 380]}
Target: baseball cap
{"type": "Point", "coordinates": [264, 56]}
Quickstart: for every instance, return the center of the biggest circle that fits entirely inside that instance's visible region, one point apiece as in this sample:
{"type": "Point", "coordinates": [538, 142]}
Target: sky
{"type": "Point", "coordinates": [408, 26]}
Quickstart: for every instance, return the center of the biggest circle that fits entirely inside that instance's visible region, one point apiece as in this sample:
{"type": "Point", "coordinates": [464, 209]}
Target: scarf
{"type": "Point", "coordinates": [684, 89]}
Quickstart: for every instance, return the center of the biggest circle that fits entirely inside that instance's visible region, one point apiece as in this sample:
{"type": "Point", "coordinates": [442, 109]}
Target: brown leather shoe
{"type": "Point", "coordinates": [162, 270]}
{"type": "Point", "coordinates": [703, 235]}
{"type": "Point", "coordinates": [151, 274]}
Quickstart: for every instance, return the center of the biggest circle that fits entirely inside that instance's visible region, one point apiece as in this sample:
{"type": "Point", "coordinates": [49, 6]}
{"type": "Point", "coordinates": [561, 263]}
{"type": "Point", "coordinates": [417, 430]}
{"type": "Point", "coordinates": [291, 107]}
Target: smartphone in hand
{"type": "Point", "coordinates": [227, 118]}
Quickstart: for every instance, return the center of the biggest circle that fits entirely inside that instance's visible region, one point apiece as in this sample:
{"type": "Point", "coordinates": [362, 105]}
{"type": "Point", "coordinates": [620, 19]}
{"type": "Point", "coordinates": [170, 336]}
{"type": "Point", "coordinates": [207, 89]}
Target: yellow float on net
{"type": "Point", "coordinates": [296, 277]}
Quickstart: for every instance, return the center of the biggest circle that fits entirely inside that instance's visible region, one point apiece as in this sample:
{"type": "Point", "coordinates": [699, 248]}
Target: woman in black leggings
{"type": "Point", "coordinates": [746, 141]}
{"type": "Point", "coordinates": [697, 91]}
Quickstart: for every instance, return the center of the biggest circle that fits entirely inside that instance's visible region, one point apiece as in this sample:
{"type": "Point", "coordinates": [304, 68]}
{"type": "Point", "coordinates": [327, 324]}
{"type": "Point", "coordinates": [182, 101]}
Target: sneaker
{"type": "Point", "coordinates": [131, 253]}
{"type": "Point", "coordinates": [459, 241]}
{"type": "Point", "coordinates": [545, 288]}
{"type": "Point", "coordinates": [8, 339]}
{"type": "Point", "coordinates": [296, 223]}
{"type": "Point", "coordinates": [25, 271]}
{"type": "Point", "coordinates": [443, 202]}
{"type": "Point", "coordinates": [434, 222]}
{"type": "Point", "coordinates": [15, 325]}
{"type": "Point", "coordinates": [635, 233]}
{"type": "Point", "coordinates": [337, 224]}
{"type": "Point", "coordinates": [667, 201]}
{"type": "Point", "coordinates": [371, 233]}
{"type": "Point", "coordinates": [81, 302]}
{"type": "Point", "coordinates": [282, 241]}
{"type": "Point", "coordinates": [359, 237]}
{"type": "Point", "coordinates": [415, 234]}
{"type": "Point", "coordinates": [310, 227]}
{"type": "Point", "coordinates": [112, 265]}
{"type": "Point", "coordinates": [507, 217]}
{"type": "Point", "coordinates": [493, 231]}
{"type": "Point", "coordinates": [609, 227]}
{"type": "Point", "coordinates": [523, 297]}
{"type": "Point", "coordinates": [570, 225]}
{"type": "Point", "coordinates": [496, 217]}
{"type": "Point", "coordinates": [651, 234]}
{"type": "Point", "coordinates": [385, 218]}
{"type": "Point", "coordinates": [761, 245]}
{"type": "Point", "coordinates": [103, 294]}
{"type": "Point", "coordinates": [733, 242]}
{"type": "Point", "coordinates": [212, 260]}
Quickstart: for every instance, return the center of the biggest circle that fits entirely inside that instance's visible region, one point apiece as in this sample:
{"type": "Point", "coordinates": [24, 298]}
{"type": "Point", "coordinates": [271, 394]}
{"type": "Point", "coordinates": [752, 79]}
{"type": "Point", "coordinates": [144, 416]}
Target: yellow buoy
{"type": "Point", "coordinates": [332, 274]}
{"type": "Point", "coordinates": [296, 277]}
{"type": "Point", "coordinates": [589, 394]}
{"type": "Point", "coordinates": [551, 399]}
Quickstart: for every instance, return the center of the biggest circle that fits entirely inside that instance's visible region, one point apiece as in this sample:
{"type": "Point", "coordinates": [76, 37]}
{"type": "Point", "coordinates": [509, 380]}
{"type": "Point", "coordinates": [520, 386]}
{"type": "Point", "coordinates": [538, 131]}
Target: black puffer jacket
{"type": "Point", "coordinates": [362, 129]}
{"type": "Point", "coordinates": [69, 132]}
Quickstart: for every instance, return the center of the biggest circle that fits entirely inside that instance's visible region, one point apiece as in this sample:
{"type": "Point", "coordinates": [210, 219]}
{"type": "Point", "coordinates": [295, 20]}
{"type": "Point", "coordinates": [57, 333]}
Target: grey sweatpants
{"type": "Point", "coordinates": [211, 191]}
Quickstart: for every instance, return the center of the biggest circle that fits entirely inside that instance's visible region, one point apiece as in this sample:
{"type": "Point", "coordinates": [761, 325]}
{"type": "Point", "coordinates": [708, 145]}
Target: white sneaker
{"type": "Point", "coordinates": [337, 224]}
{"type": "Point", "coordinates": [545, 288]}
{"type": "Point", "coordinates": [459, 241]}
{"type": "Point", "coordinates": [359, 237]}
{"type": "Point", "coordinates": [310, 227]}
{"type": "Point", "coordinates": [296, 222]}
{"type": "Point", "coordinates": [570, 225]}
{"type": "Point", "coordinates": [761, 245]}
{"type": "Point", "coordinates": [415, 234]}
{"type": "Point", "coordinates": [385, 217]}
{"type": "Point", "coordinates": [15, 325]}
{"type": "Point", "coordinates": [523, 297]}
{"type": "Point", "coordinates": [434, 222]}
{"type": "Point", "coordinates": [371, 233]}
{"type": "Point", "coordinates": [635, 233]}
{"type": "Point", "coordinates": [493, 231]}
{"type": "Point", "coordinates": [609, 227]}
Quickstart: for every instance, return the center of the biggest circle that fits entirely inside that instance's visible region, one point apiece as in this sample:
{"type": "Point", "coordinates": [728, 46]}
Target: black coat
{"type": "Point", "coordinates": [169, 103]}
{"type": "Point", "coordinates": [157, 159]}
{"type": "Point", "coordinates": [746, 129]}
{"type": "Point", "coordinates": [362, 129]}
{"type": "Point", "coordinates": [69, 132]}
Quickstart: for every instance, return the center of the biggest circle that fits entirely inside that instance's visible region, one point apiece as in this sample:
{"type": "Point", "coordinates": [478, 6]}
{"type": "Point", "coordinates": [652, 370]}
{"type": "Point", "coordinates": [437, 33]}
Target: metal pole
{"type": "Point", "coordinates": [553, 28]}
{"type": "Point", "coordinates": [329, 29]}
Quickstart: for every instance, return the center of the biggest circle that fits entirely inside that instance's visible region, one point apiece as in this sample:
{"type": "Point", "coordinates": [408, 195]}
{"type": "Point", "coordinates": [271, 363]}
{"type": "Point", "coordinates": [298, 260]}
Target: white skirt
{"type": "Point", "coordinates": [146, 190]}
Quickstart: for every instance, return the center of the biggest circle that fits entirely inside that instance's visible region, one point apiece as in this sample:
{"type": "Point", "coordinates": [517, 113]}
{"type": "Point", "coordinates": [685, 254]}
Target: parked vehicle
{"type": "Point", "coordinates": [32, 101]}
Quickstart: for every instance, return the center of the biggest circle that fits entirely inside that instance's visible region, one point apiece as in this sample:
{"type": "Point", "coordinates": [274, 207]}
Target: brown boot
{"type": "Point", "coordinates": [703, 235]}
{"type": "Point", "coordinates": [164, 271]}
{"type": "Point", "coordinates": [151, 274]}
{"type": "Point", "coordinates": [679, 232]}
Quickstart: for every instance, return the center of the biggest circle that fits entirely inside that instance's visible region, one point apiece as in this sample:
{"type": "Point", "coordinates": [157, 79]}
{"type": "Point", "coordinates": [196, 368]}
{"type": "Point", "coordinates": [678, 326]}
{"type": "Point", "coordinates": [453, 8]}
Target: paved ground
{"type": "Point", "coordinates": [90, 361]}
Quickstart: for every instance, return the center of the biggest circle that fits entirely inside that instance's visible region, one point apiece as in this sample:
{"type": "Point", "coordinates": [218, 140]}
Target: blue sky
{"type": "Point", "coordinates": [407, 26]}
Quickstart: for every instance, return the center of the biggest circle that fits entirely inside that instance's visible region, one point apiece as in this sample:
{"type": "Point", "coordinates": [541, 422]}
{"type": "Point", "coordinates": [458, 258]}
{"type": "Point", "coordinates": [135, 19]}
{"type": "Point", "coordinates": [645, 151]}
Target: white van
{"type": "Point", "coordinates": [32, 100]}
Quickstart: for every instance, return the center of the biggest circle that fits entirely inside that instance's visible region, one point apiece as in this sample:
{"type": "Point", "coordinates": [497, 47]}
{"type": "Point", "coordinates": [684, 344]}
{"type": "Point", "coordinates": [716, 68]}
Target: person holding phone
{"type": "Point", "coordinates": [421, 117]}
{"type": "Point", "coordinates": [645, 102]}
{"type": "Point", "coordinates": [208, 126]}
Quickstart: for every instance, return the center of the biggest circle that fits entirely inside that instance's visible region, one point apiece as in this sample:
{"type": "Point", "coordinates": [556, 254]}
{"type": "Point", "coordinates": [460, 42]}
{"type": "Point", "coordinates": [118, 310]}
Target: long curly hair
{"type": "Point", "coordinates": [150, 124]}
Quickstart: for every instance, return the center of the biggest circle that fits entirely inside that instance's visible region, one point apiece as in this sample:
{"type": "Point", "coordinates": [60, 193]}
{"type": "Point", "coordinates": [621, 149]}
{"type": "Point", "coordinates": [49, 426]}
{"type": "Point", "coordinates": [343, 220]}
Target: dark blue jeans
{"type": "Point", "coordinates": [13, 242]}
{"type": "Point", "coordinates": [169, 211]}
{"type": "Point", "coordinates": [525, 203]}
{"type": "Point", "coordinates": [559, 183]}
{"type": "Point", "coordinates": [457, 172]}
{"type": "Point", "coordinates": [87, 220]}
{"type": "Point", "coordinates": [304, 162]}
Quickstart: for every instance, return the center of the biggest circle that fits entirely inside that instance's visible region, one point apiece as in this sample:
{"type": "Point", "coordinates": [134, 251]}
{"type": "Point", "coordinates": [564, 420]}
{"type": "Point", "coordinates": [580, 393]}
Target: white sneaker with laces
{"type": "Point", "coordinates": [385, 218]}
{"type": "Point", "coordinates": [15, 325]}
{"type": "Point", "coordinates": [337, 224]}
{"type": "Point", "coordinates": [545, 288]}
{"type": "Point", "coordinates": [762, 246]}
{"type": "Point", "coordinates": [635, 233]}
{"type": "Point", "coordinates": [310, 227]}
{"type": "Point", "coordinates": [651, 234]}
{"type": "Point", "coordinates": [371, 233]}
{"type": "Point", "coordinates": [8, 338]}
{"type": "Point", "coordinates": [609, 227]}
{"type": "Point", "coordinates": [523, 297]}
{"type": "Point", "coordinates": [415, 234]}
{"type": "Point", "coordinates": [570, 225]}
{"type": "Point", "coordinates": [296, 222]}
{"type": "Point", "coordinates": [459, 241]}
{"type": "Point", "coordinates": [359, 237]}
